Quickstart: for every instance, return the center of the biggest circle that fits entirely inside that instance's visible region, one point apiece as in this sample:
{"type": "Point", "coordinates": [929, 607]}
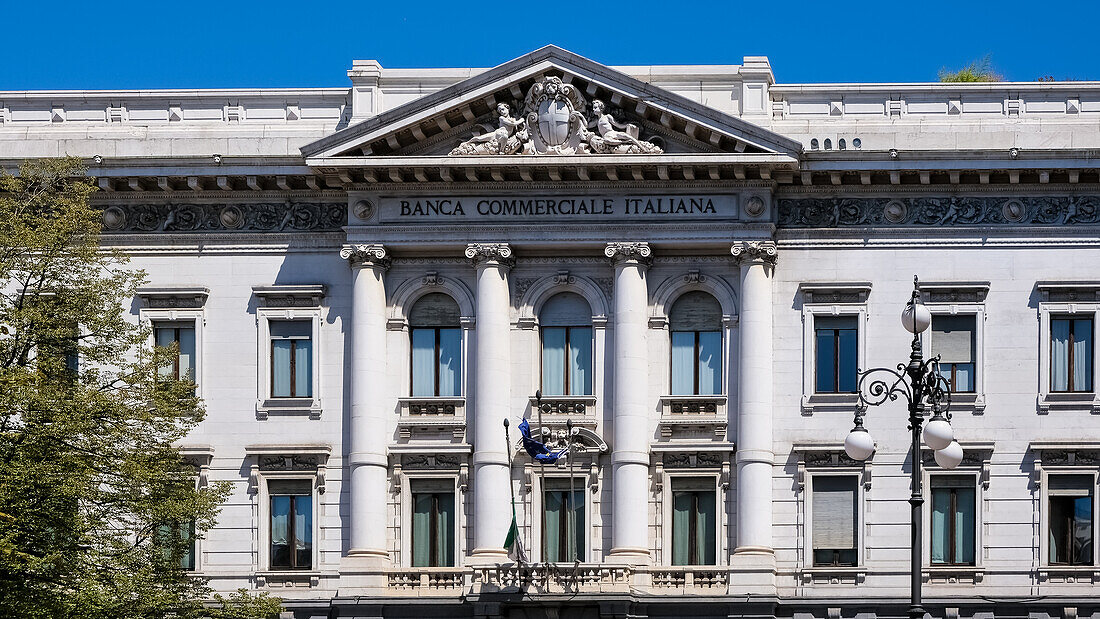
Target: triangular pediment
{"type": "Point", "coordinates": [434, 126]}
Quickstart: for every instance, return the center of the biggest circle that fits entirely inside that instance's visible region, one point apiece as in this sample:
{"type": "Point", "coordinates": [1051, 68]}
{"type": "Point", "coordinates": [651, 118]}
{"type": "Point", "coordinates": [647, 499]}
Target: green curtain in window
{"type": "Point", "coordinates": [422, 530]}
{"type": "Point", "coordinates": [445, 529]}
{"type": "Point", "coordinates": [553, 525]}
{"type": "Point", "coordinates": [964, 525]}
{"type": "Point", "coordinates": [681, 528]}
{"type": "Point", "coordinates": [705, 529]}
{"type": "Point", "coordinates": [941, 504]}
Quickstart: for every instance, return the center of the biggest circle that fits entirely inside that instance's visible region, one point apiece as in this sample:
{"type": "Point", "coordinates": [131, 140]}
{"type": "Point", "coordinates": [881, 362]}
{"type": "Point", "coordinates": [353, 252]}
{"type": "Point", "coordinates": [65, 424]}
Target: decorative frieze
{"type": "Point", "coordinates": [309, 295]}
{"type": "Point", "coordinates": [833, 212]}
{"type": "Point", "coordinates": [755, 251]}
{"type": "Point", "coordinates": [431, 462]}
{"type": "Point", "coordinates": [173, 298]}
{"type": "Point", "coordinates": [241, 217]}
{"type": "Point", "coordinates": [954, 292]}
{"type": "Point", "coordinates": [373, 255]}
{"type": "Point", "coordinates": [639, 252]}
{"type": "Point", "coordinates": [490, 252]}
{"type": "Point", "coordinates": [838, 292]}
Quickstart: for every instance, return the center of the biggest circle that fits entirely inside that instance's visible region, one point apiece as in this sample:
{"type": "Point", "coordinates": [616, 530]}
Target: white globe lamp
{"type": "Point", "coordinates": [915, 317]}
{"type": "Point", "coordinates": [858, 444]}
{"type": "Point", "coordinates": [938, 433]}
{"type": "Point", "coordinates": [949, 457]}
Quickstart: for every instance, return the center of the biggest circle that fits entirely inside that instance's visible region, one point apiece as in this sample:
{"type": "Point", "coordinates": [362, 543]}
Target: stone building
{"type": "Point", "coordinates": [689, 262]}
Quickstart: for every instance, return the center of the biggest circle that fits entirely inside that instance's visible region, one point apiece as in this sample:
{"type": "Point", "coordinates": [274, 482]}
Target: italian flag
{"type": "Point", "coordinates": [513, 542]}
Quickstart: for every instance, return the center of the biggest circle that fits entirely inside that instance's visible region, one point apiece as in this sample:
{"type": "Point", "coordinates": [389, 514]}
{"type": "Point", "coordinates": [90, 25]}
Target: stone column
{"type": "Point", "coordinates": [630, 458]}
{"type": "Point", "coordinates": [492, 383]}
{"type": "Point", "coordinates": [367, 379]}
{"type": "Point", "coordinates": [754, 406]}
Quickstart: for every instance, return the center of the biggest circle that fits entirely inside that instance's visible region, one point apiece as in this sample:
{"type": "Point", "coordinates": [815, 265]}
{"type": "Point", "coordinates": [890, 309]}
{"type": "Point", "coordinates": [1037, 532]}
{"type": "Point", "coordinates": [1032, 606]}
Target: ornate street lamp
{"type": "Point", "coordinates": [923, 388]}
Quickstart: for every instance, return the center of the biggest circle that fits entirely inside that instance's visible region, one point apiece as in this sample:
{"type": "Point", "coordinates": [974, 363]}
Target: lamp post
{"type": "Point", "coordinates": [923, 388]}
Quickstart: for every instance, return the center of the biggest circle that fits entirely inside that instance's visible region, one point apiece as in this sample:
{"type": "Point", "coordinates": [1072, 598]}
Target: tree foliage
{"type": "Point", "coordinates": [978, 71]}
{"type": "Point", "coordinates": [93, 493]}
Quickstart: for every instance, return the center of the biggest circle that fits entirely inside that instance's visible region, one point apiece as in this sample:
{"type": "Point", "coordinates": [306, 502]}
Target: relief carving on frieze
{"type": "Point", "coordinates": [834, 212]}
{"type": "Point", "coordinates": [553, 122]}
{"type": "Point", "coordinates": [242, 217]}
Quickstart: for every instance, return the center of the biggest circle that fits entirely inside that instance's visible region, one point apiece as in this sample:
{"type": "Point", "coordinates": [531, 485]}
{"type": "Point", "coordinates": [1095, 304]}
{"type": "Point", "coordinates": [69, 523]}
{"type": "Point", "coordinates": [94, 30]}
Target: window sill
{"type": "Point", "coordinates": [288, 578]}
{"type": "Point", "coordinates": [829, 402]}
{"type": "Point", "coordinates": [1069, 574]}
{"type": "Point", "coordinates": [830, 575]}
{"type": "Point", "coordinates": [970, 402]}
{"type": "Point", "coordinates": [953, 574]}
{"type": "Point", "coordinates": [288, 407]}
{"type": "Point", "coordinates": [1071, 401]}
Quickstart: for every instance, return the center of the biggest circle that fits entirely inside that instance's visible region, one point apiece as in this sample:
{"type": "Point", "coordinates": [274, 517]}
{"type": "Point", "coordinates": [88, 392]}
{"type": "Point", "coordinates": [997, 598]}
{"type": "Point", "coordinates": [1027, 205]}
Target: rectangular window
{"type": "Point", "coordinates": [694, 521]}
{"type": "Point", "coordinates": [291, 358]}
{"type": "Point", "coordinates": [563, 521]}
{"type": "Point", "coordinates": [1070, 516]}
{"type": "Point", "coordinates": [183, 365]}
{"type": "Point", "coordinates": [436, 362]}
{"type": "Point", "coordinates": [696, 362]}
{"type": "Point", "coordinates": [1070, 354]}
{"type": "Point", "coordinates": [953, 521]}
{"type": "Point", "coordinates": [835, 338]}
{"type": "Point", "coordinates": [182, 551]}
{"type": "Point", "coordinates": [835, 518]}
{"type": "Point", "coordinates": [433, 523]}
{"type": "Point", "coordinates": [291, 523]}
{"type": "Point", "coordinates": [567, 360]}
{"type": "Point", "coordinates": [953, 340]}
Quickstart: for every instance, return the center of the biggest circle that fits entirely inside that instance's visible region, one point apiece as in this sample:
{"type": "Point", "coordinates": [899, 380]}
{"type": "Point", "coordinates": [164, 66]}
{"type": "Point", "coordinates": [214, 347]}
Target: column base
{"type": "Point", "coordinates": [628, 555]}
{"type": "Point", "coordinates": [753, 570]}
{"type": "Point", "coordinates": [363, 572]}
{"type": "Point", "coordinates": [488, 556]}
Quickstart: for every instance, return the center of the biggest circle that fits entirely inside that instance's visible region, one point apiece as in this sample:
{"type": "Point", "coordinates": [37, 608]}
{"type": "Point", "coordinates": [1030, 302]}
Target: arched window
{"type": "Point", "coordinates": [436, 346]}
{"type": "Point", "coordinates": [695, 321]}
{"type": "Point", "coordinates": [566, 322]}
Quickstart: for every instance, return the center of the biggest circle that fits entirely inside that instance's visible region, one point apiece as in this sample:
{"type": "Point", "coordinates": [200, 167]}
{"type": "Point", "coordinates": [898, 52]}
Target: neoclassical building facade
{"type": "Point", "coordinates": [683, 268]}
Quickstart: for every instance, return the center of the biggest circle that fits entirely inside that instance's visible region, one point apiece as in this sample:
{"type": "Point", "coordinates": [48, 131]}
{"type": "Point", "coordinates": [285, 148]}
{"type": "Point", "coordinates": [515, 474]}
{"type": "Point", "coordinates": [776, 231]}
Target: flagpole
{"type": "Point", "coordinates": [542, 477]}
{"type": "Point", "coordinates": [572, 500]}
{"type": "Point", "coordinates": [512, 489]}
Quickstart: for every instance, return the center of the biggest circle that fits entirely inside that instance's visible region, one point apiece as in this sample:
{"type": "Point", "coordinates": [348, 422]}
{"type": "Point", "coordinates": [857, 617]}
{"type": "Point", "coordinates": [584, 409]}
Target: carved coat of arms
{"type": "Point", "coordinates": [553, 122]}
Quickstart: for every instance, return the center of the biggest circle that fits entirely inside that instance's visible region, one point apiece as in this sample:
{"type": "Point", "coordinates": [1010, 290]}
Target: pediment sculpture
{"type": "Point", "coordinates": [554, 122]}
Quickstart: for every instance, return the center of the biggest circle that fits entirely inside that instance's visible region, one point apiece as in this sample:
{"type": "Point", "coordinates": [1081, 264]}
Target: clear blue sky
{"type": "Point", "coordinates": [193, 43]}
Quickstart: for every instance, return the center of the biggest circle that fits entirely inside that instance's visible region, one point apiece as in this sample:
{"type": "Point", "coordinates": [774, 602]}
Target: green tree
{"type": "Point", "coordinates": [93, 494]}
{"type": "Point", "coordinates": [978, 71]}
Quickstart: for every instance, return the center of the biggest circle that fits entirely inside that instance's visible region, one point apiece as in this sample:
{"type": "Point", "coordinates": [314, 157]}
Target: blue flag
{"type": "Point", "coordinates": [537, 450]}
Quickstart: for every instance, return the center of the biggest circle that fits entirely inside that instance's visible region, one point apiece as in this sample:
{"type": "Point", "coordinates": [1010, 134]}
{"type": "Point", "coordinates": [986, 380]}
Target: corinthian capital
{"type": "Point", "coordinates": [639, 252]}
{"type": "Point", "coordinates": [490, 252]}
{"type": "Point", "coordinates": [359, 256]}
{"type": "Point", "coordinates": [755, 251]}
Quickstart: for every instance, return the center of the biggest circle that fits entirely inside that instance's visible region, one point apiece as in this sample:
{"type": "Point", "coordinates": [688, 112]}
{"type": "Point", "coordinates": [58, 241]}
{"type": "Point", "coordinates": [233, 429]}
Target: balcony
{"type": "Point", "coordinates": [443, 581]}
{"type": "Point", "coordinates": [696, 580]}
{"type": "Point", "coordinates": [432, 418]}
{"type": "Point", "coordinates": [554, 578]}
{"type": "Point", "coordinates": [558, 409]}
{"type": "Point", "coordinates": [693, 418]}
